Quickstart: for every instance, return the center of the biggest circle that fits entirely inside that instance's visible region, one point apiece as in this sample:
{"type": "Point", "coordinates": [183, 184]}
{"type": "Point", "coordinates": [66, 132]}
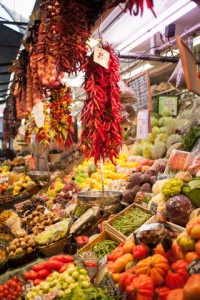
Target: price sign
{"type": "Point", "coordinates": [143, 124]}
{"type": "Point", "coordinates": [153, 208]}
{"type": "Point", "coordinates": [108, 284]}
{"type": "Point", "coordinates": [101, 57]}
{"type": "Point", "coordinates": [194, 267]}
{"type": "Point", "coordinates": [166, 242]}
{"type": "Point", "coordinates": [38, 114]}
{"type": "Point", "coordinates": [22, 130]}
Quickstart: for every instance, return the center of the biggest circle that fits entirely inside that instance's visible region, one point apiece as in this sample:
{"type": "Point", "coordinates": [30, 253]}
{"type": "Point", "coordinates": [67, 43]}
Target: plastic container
{"type": "Point", "coordinates": [151, 234]}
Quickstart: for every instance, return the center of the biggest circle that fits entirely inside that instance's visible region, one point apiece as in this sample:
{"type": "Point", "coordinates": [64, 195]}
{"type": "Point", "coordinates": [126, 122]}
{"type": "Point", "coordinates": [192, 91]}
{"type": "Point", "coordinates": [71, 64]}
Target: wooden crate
{"type": "Point", "coordinates": [119, 234]}
{"type": "Point", "coordinates": [104, 235]}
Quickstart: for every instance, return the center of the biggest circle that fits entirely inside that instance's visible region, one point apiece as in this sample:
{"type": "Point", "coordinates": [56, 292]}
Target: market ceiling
{"type": "Point", "coordinates": [111, 25]}
{"type": "Point", "coordinates": [12, 30]}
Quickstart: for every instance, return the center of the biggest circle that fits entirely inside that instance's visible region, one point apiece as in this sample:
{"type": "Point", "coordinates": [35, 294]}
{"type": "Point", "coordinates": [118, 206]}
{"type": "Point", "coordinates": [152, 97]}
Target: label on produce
{"type": "Point", "coordinates": [108, 284]}
{"type": "Point", "coordinates": [38, 114]}
{"type": "Point", "coordinates": [194, 267]}
{"type": "Point", "coordinates": [166, 242]}
{"type": "Point", "coordinates": [153, 208]}
{"type": "Point", "coordinates": [101, 57]}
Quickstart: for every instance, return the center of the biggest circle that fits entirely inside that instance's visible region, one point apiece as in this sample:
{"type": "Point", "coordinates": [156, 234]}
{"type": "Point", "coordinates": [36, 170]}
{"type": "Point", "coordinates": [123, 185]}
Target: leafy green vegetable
{"type": "Point", "coordinates": [194, 184]}
{"type": "Point", "coordinates": [191, 138]}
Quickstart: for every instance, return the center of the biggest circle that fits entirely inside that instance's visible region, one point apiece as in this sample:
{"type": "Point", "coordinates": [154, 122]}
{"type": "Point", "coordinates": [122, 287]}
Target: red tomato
{"type": "Point", "coordinates": [161, 293]}
{"type": "Point", "coordinates": [177, 275]}
{"type": "Point", "coordinates": [42, 274]}
{"type": "Point", "coordinates": [176, 294]}
{"type": "Point", "coordinates": [191, 290]}
{"type": "Point", "coordinates": [191, 256]}
{"type": "Point", "coordinates": [15, 278]}
{"type": "Point", "coordinates": [139, 252]}
{"type": "Point", "coordinates": [37, 281]}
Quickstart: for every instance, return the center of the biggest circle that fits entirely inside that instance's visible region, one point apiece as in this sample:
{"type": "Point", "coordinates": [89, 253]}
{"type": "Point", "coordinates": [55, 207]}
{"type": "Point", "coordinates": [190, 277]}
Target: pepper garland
{"type": "Point", "coordinates": [60, 118]}
{"type": "Point", "coordinates": [58, 126]}
{"type": "Point", "coordinates": [101, 120]}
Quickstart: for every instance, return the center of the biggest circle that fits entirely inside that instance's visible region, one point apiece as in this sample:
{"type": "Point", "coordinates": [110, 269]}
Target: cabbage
{"type": "Point", "coordinates": [179, 209]}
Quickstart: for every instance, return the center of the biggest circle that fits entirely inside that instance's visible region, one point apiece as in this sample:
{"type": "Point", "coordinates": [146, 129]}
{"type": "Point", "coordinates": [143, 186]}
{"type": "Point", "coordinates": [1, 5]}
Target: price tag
{"type": "Point", "coordinates": [38, 114]}
{"type": "Point", "coordinates": [166, 242]}
{"type": "Point", "coordinates": [22, 130]}
{"type": "Point", "coordinates": [101, 57]}
{"type": "Point", "coordinates": [137, 242]}
{"type": "Point", "coordinates": [108, 284]}
{"type": "Point", "coordinates": [143, 126]}
{"type": "Point", "coordinates": [194, 267]}
{"type": "Point", "coordinates": [153, 208]}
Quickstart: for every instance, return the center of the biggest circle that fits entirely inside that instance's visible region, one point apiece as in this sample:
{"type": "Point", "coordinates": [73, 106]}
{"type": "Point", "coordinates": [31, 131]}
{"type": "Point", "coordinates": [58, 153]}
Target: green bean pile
{"type": "Point", "coordinates": [103, 248]}
{"type": "Point", "coordinates": [130, 221]}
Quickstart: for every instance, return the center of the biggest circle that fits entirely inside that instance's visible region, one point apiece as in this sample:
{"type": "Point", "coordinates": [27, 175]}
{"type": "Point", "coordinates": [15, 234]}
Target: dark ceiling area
{"type": "Point", "coordinates": [10, 42]}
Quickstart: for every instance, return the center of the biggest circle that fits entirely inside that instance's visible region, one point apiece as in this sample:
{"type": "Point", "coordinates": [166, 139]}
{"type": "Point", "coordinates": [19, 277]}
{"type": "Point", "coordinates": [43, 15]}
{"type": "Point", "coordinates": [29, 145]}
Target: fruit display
{"type": "Point", "coordinates": [138, 182]}
{"type": "Point", "coordinates": [12, 289]}
{"type": "Point", "coordinates": [38, 220]}
{"type": "Point", "coordinates": [23, 243]}
{"type": "Point", "coordinates": [61, 284]}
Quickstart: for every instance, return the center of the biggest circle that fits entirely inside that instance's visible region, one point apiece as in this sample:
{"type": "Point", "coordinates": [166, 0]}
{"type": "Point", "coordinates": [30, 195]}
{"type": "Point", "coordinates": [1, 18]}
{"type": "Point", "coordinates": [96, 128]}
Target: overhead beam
{"type": "Point", "coordinates": [5, 83]}
{"type": "Point", "coordinates": [4, 73]}
{"type": "Point", "coordinates": [14, 23]}
{"type": "Point", "coordinates": [2, 91]}
{"type": "Point", "coordinates": [152, 58]}
{"type": "Point", "coordinates": [9, 46]}
{"type": "Point", "coordinates": [6, 64]}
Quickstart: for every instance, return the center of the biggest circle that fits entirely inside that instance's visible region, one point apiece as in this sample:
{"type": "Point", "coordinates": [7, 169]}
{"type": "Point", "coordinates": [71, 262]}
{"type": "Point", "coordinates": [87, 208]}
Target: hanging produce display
{"type": "Point", "coordinates": [135, 6]}
{"type": "Point", "coordinates": [101, 119]}
{"type": "Point", "coordinates": [62, 41]}
{"type": "Point", "coordinates": [57, 126]}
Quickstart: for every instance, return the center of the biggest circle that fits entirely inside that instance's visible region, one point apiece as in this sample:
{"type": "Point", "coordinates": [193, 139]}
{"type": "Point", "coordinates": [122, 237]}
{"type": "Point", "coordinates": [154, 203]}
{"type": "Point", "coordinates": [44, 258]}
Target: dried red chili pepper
{"type": "Point", "coordinates": [101, 119]}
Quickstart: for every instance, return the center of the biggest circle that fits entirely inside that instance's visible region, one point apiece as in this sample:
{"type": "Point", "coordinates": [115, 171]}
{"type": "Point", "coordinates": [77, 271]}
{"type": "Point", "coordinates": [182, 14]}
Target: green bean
{"type": "Point", "coordinates": [103, 248]}
{"type": "Point", "coordinates": [130, 221]}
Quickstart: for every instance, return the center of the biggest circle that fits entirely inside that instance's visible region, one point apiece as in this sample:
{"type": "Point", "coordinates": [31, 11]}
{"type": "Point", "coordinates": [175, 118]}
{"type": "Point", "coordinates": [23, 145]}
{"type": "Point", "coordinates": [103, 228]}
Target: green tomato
{"type": "Point", "coordinates": [55, 275]}
{"type": "Point", "coordinates": [59, 286]}
{"type": "Point", "coordinates": [49, 279]}
{"type": "Point", "coordinates": [70, 280]}
{"type": "Point", "coordinates": [83, 272]}
{"type": "Point", "coordinates": [73, 285]}
{"type": "Point", "coordinates": [85, 284]}
{"type": "Point", "coordinates": [65, 285]}
{"type": "Point", "coordinates": [75, 275]}
{"type": "Point", "coordinates": [61, 293]}
{"type": "Point", "coordinates": [67, 291]}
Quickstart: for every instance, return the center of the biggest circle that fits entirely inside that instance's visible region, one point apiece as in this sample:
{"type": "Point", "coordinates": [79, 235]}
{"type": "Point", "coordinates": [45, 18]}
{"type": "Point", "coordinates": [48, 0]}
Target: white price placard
{"type": "Point", "coordinates": [101, 57]}
{"type": "Point", "coordinates": [143, 124]}
{"type": "Point", "coordinates": [38, 114]}
{"type": "Point", "coordinates": [22, 130]}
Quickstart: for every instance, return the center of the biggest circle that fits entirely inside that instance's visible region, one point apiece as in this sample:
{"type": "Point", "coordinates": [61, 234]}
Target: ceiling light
{"type": "Point", "coordinates": [196, 41]}
{"type": "Point", "coordinates": [174, 12]}
{"type": "Point", "coordinates": [137, 71]}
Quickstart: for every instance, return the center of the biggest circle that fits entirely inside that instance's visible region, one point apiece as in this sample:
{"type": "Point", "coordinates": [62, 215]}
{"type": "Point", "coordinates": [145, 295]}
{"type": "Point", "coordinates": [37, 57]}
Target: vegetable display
{"type": "Point", "coordinates": [12, 289]}
{"type": "Point", "coordinates": [103, 248]}
{"type": "Point", "coordinates": [101, 119]}
{"type": "Point", "coordinates": [131, 220]}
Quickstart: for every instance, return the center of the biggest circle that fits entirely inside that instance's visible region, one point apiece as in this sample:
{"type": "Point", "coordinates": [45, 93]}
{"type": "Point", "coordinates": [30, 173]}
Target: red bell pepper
{"type": "Point", "coordinates": [42, 274]}
{"type": "Point", "coordinates": [62, 258]}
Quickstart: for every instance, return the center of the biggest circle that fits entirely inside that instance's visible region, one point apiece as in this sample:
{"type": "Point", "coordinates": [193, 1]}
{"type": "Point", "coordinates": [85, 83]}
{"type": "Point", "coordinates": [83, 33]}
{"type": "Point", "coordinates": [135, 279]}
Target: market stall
{"type": "Point", "coordinates": [107, 203]}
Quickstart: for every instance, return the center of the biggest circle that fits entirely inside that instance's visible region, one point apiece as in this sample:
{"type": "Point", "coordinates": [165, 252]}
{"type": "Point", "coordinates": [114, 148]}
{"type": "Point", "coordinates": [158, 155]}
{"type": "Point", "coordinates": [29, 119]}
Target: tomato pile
{"type": "Point", "coordinates": [11, 289]}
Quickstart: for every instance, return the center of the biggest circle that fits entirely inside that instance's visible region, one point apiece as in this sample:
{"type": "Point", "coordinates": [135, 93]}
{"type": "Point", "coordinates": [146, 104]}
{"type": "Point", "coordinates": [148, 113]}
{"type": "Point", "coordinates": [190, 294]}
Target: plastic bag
{"type": "Point", "coordinates": [177, 78]}
{"type": "Point", "coordinates": [178, 161]}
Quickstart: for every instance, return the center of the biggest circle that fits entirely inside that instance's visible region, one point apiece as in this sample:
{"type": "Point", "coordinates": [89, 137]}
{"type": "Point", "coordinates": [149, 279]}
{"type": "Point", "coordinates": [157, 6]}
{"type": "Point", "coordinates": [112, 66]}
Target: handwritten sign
{"type": "Point", "coordinates": [101, 57]}
{"type": "Point", "coordinates": [194, 267]}
{"type": "Point", "coordinates": [153, 208]}
{"type": "Point", "coordinates": [141, 86]}
{"type": "Point", "coordinates": [143, 124]}
{"type": "Point", "coordinates": [38, 114]}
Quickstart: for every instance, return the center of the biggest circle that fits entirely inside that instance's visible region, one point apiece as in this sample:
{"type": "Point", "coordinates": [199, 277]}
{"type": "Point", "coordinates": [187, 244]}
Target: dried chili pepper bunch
{"type": "Point", "coordinates": [61, 128]}
{"type": "Point", "coordinates": [135, 6]}
{"type": "Point", "coordinates": [62, 40]}
{"type": "Point", "coordinates": [101, 120]}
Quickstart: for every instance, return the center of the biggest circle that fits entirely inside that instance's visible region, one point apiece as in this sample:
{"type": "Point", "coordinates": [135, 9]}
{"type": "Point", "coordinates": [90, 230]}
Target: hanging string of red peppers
{"type": "Point", "coordinates": [101, 120]}
{"type": "Point", "coordinates": [135, 6]}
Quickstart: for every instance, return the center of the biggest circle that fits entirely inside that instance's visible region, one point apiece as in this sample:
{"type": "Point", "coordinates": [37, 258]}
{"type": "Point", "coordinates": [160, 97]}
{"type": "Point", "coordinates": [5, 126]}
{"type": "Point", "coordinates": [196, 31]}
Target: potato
{"type": "Point", "coordinates": [11, 248]}
{"type": "Point", "coordinates": [18, 245]}
{"type": "Point", "coordinates": [29, 218]}
{"type": "Point", "coordinates": [12, 253]}
{"type": "Point", "coordinates": [31, 223]}
{"type": "Point", "coordinates": [19, 251]}
{"type": "Point", "coordinates": [36, 220]}
{"type": "Point", "coordinates": [31, 243]}
{"type": "Point", "coordinates": [35, 214]}
{"type": "Point", "coordinates": [29, 249]}
{"type": "Point", "coordinates": [23, 245]}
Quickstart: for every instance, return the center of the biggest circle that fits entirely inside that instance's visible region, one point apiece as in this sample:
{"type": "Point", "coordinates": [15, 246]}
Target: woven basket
{"type": "Point", "coordinates": [53, 249]}
{"type": "Point", "coordinates": [17, 261]}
